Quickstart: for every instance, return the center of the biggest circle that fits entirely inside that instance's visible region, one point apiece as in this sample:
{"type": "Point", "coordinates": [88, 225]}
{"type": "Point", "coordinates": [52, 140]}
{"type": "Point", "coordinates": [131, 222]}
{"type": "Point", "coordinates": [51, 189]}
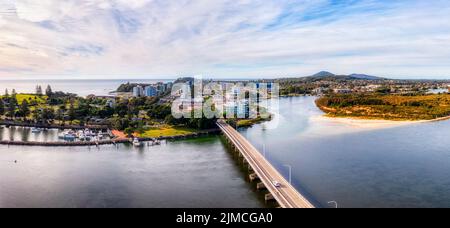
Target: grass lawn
{"type": "Point", "coordinates": [251, 122]}
{"type": "Point", "coordinates": [247, 123]}
{"type": "Point", "coordinates": [30, 97]}
{"type": "Point", "coordinates": [166, 131]}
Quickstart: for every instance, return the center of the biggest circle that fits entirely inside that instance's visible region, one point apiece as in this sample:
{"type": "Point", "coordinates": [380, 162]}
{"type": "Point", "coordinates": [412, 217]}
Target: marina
{"type": "Point", "coordinates": [30, 136]}
{"type": "Point", "coordinates": [19, 134]}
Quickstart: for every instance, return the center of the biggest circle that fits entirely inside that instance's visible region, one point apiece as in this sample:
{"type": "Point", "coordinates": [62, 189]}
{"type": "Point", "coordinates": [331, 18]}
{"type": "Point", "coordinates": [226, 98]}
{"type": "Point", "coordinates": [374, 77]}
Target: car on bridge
{"type": "Point", "coordinates": [276, 184]}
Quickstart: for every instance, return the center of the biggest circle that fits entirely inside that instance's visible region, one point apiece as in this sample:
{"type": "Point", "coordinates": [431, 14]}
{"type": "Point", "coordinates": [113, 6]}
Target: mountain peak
{"type": "Point", "coordinates": [324, 74]}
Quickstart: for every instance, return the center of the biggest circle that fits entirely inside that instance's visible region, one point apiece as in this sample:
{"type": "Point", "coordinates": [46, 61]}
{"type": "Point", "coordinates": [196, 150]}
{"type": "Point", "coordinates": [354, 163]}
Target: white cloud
{"type": "Point", "coordinates": [224, 37]}
{"type": "Point", "coordinates": [35, 11]}
{"type": "Point", "coordinates": [2, 21]}
{"type": "Point", "coordinates": [134, 4]}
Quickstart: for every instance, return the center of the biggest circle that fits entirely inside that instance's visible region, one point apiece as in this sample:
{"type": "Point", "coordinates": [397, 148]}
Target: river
{"type": "Point", "coordinates": [405, 166]}
{"type": "Point", "coordinates": [195, 173]}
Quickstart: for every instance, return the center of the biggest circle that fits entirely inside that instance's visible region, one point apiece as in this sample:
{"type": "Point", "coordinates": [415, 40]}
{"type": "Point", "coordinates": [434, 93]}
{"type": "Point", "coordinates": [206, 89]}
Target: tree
{"type": "Point", "coordinates": [48, 91]}
{"type": "Point", "coordinates": [384, 90]}
{"type": "Point", "coordinates": [24, 109]}
{"type": "Point", "coordinates": [38, 90]}
{"type": "Point", "coordinates": [13, 92]}
{"type": "Point", "coordinates": [6, 93]}
{"type": "Point", "coordinates": [12, 107]}
{"type": "Point", "coordinates": [59, 115]}
{"type": "Point", "coordinates": [121, 108]}
{"type": "Point", "coordinates": [2, 107]}
{"type": "Point", "coordinates": [47, 114]}
{"type": "Point", "coordinates": [129, 131]}
{"type": "Point", "coordinates": [71, 112]}
{"type": "Point", "coordinates": [35, 114]}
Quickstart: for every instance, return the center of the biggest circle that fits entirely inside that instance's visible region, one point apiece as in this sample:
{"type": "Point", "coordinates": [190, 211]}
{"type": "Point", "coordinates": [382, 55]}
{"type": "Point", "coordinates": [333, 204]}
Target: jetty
{"type": "Point", "coordinates": [117, 140]}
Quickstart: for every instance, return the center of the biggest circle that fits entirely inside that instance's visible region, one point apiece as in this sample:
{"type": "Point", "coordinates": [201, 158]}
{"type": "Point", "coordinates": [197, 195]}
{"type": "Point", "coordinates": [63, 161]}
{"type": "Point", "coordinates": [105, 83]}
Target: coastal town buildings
{"type": "Point", "coordinates": [152, 90]}
{"type": "Point", "coordinates": [138, 91]}
{"type": "Point", "coordinates": [342, 90]}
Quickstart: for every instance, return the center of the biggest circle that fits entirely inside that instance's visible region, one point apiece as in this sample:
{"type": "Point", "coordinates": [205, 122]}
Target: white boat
{"type": "Point", "coordinates": [68, 135]}
{"type": "Point", "coordinates": [88, 133]}
{"type": "Point", "coordinates": [36, 130]}
{"type": "Point", "coordinates": [136, 142]}
{"type": "Point", "coordinates": [99, 136]}
{"type": "Point", "coordinates": [81, 136]}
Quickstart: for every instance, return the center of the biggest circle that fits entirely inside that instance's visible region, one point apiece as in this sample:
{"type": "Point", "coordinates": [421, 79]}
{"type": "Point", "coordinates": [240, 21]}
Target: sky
{"type": "Point", "coordinates": [223, 38]}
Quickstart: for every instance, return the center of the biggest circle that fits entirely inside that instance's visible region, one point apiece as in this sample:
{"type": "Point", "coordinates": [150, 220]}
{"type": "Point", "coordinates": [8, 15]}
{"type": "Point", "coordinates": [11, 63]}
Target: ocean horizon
{"type": "Point", "coordinates": [81, 87]}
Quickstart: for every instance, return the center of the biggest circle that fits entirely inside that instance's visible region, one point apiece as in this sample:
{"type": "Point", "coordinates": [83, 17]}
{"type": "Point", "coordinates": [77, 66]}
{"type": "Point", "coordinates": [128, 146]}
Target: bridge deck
{"type": "Point", "coordinates": [286, 195]}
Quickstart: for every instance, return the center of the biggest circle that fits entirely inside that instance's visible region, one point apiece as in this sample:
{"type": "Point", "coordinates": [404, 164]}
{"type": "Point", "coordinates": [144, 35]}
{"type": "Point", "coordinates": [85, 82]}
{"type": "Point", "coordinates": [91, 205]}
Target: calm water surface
{"type": "Point", "coordinates": [25, 134]}
{"type": "Point", "coordinates": [193, 173]}
{"type": "Point", "coordinates": [405, 166]}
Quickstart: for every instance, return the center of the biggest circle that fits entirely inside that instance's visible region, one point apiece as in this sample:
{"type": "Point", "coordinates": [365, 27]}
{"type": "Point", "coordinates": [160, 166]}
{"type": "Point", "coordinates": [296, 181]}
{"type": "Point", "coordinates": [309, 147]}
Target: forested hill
{"type": "Point", "coordinates": [327, 76]}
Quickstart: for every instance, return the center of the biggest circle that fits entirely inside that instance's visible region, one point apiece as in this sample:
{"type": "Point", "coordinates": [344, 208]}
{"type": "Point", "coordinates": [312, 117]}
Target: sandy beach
{"type": "Point", "coordinates": [325, 126]}
{"type": "Point", "coordinates": [371, 124]}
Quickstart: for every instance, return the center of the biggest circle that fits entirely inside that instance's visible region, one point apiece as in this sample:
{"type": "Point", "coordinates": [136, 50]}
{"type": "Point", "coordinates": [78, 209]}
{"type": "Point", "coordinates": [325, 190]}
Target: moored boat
{"type": "Point", "coordinates": [136, 142]}
{"type": "Point", "coordinates": [81, 136]}
{"type": "Point", "coordinates": [36, 130]}
{"type": "Point", "coordinates": [68, 135]}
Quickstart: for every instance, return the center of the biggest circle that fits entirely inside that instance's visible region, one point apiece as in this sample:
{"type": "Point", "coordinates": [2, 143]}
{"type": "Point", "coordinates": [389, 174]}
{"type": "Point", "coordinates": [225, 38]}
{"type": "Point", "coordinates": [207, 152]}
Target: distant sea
{"type": "Point", "coordinates": [79, 87]}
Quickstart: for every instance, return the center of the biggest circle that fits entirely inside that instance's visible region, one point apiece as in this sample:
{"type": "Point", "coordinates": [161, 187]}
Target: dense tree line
{"type": "Point", "coordinates": [129, 115]}
{"type": "Point", "coordinates": [287, 89]}
{"type": "Point", "coordinates": [349, 100]}
{"type": "Point", "coordinates": [397, 107]}
{"type": "Point", "coordinates": [196, 123]}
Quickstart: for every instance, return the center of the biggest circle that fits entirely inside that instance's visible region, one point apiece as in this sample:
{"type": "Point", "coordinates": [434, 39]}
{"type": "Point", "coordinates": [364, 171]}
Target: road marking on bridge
{"type": "Point", "coordinates": [285, 194]}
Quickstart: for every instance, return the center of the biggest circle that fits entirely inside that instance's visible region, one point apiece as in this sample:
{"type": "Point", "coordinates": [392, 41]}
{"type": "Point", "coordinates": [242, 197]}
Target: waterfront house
{"type": "Point", "coordinates": [138, 91]}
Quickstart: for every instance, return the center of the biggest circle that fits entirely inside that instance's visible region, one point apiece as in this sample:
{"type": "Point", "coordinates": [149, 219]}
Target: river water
{"type": "Point", "coordinates": [406, 166]}
{"type": "Point", "coordinates": [192, 173]}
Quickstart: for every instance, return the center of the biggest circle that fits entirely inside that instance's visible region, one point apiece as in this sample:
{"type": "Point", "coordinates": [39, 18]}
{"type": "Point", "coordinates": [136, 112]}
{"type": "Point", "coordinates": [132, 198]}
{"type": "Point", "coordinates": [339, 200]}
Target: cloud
{"type": "Point", "coordinates": [84, 50]}
{"type": "Point", "coordinates": [125, 23]}
{"type": "Point", "coordinates": [133, 4]}
{"type": "Point", "coordinates": [224, 38]}
{"type": "Point", "coordinates": [35, 11]}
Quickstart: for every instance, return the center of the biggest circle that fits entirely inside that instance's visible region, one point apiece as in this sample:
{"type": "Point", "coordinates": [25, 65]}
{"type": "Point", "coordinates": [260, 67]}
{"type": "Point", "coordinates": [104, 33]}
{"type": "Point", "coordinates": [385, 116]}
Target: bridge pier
{"type": "Point", "coordinates": [260, 186]}
{"type": "Point", "coordinates": [253, 177]}
{"type": "Point", "coordinates": [269, 197]}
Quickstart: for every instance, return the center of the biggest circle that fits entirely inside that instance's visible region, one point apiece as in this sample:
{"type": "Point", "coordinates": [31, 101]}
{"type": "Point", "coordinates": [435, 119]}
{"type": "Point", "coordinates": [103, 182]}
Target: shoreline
{"type": "Point", "coordinates": [374, 123]}
{"type": "Point", "coordinates": [113, 141]}
{"type": "Point", "coordinates": [8, 123]}
{"type": "Point", "coordinates": [371, 122]}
